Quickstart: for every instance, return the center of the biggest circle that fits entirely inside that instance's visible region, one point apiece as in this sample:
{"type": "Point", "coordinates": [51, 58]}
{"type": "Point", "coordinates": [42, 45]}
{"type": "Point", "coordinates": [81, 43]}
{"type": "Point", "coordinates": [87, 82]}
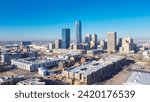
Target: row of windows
{"type": "Point", "coordinates": [34, 66]}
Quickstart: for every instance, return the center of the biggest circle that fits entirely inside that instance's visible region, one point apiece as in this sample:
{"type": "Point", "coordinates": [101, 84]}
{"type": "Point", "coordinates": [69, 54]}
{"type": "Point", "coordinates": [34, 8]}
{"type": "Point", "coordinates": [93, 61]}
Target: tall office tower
{"type": "Point", "coordinates": [78, 27]}
{"type": "Point", "coordinates": [94, 39]}
{"type": "Point", "coordinates": [127, 45]}
{"type": "Point", "coordinates": [51, 46]}
{"type": "Point", "coordinates": [57, 44]}
{"type": "Point", "coordinates": [65, 38]}
{"type": "Point", "coordinates": [111, 41]}
{"type": "Point", "coordinates": [88, 38]}
{"type": "Point", "coordinates": [119, 42]}
{"type": "Point", "coordinates": [103, 44]}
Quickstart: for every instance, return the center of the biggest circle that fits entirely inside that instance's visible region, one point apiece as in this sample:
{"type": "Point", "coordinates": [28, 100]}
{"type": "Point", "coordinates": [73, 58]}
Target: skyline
{"type": "Point", "coordinates": [25, 19]}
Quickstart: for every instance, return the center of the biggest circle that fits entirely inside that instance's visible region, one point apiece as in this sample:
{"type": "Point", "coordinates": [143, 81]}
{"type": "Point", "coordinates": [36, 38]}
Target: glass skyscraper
{"type": "Point", "coordinates": [78, 31]}
{"type": "Point", "coordinates": [65, 38]}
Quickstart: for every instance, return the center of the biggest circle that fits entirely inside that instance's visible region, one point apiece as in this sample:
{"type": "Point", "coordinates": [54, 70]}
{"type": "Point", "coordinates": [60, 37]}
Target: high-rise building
{"type": "Point", "coordinates": [78, 31]}
{"type": "Point", "coordinates": [94, 39]}
{"type": "Point", "coordinates": [26, 43]}
{"type": "Point", "coordinates": [51, 46]}
{"type": "Point", "coordinates": [127, 45]}
{"type": "Point", "coordinates": [92, 45]}
{"type": "Point", "coordinates": [111, 41]}
{"type": "Point", "coordinates": [119, 42]}
{"type": "Point", "coordinates": [65, 38]}
{"type": "Point", "coordinates": [88, 38]}
{"type": "Point", "coordinates": [103, 44]}
{"type": "Point", "coordinates": [57, 44]}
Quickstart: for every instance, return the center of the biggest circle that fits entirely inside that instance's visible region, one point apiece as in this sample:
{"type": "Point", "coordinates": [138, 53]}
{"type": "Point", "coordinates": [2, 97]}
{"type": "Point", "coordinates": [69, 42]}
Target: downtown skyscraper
{"type": "Point", "coordinates": [65, 38]}
{"type": "Point", "coordinates": [111, 41]}
{"type": "Point", "coordinates": [78, 32]}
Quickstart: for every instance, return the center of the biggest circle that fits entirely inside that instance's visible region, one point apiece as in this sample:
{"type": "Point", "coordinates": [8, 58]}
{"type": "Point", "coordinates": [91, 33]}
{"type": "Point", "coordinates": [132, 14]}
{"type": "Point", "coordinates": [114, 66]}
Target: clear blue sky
{"type": "Point", "coordinates": [44, 19]}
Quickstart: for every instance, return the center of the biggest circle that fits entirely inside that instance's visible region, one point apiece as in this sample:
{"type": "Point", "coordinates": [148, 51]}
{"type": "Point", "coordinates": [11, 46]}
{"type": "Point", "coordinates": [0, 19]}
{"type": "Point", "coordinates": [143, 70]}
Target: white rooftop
{"type": "Point", "coordinates": [34, 60]}
{"type": "Point", "coordinates": [138, 78]}
{"type": "Point", "coordinates": [93, 66]}
{"type": "Point", "coordinates": [32, 81]}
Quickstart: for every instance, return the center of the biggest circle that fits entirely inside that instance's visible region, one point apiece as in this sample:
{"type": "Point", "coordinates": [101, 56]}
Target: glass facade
{"type": "Point", "coordinates": [78, 26]}
{"type": "Point", "coordinates": [65, 38]}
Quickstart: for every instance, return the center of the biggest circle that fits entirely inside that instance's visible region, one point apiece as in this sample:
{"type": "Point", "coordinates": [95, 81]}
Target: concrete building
{"type": "Point", "coordinates": [78, 27]}
{"type": "Point", "coordinates": [93, 45]}
{"type": "Point", "coordinates": [86, 46]}
{"type": "Point", "coordinates": [51, 46]}
{"type": "Point", "coordinates": [39, 47]}
{"type": "Point", "coordinates": [42, 71]}
{"type": "Point", "coordinates": [138, 78]}
{"type": "Point", "coordinates": [95, 71]}
{"type": "Point", "coordinates": [65, 38]}
{"type": "Point", "coordinates": [146, 55]}
{"type": "Point", "coordinates": [77, 46]}
{"type": "Point", "coordinates": [94, 52]}
{"type": "Point", "coordinates": [94, 39]}
{"type": "Point", "coordinates": [88, 38]}
{"type": "Point", "coordinates": [32, 64]}
{"type": "Point", "coordinates": [103, 44]}
{"type": "Point", "coordinates": [6, 57]}
{"type": "Point", "coordinates": [65, 51]}
{"type": "Point", "coordinates": [69, 55]}
{"type": "Point", "coordinates": [127, 45]}
{"type": "Point", "coordinates": [111, 41]}
{"type": "Point", "coordinates": [57, 44]}
{"type": "Point", "coordinates": [14, 46]}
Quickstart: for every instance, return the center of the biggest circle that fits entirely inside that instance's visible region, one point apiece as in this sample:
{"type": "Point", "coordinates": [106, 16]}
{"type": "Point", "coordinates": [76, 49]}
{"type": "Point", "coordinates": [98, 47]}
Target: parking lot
{"type": "Point", "coordinates": [18, 72]}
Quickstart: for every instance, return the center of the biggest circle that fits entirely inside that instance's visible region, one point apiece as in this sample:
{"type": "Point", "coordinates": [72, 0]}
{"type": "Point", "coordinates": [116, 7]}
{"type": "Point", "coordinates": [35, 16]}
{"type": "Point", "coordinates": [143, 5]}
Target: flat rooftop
{"type": "Point", "coordinates": [138, 78]}
{"type": "Point", "coordinates": [34, 60]}
{"type": "Point", "coordinates": [32, 81]}
{"type": "Point", "coordinates": [93, 66]}
{"type": "Point", "coordinates": [15, 53]}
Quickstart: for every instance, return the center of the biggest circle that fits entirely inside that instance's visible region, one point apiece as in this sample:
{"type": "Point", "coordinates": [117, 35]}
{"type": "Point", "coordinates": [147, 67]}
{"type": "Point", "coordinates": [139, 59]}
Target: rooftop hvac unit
{"type": "Point", "coordinates": [135, 81]}
{"type": "Point", "coordinates": [140, 73]}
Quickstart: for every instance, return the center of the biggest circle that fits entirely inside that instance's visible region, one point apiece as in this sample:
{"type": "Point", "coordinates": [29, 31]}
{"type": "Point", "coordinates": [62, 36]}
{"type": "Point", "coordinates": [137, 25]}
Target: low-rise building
{"type": "Point", "coordinates": [65, 51]}
{"type": "Point", "coordinates": [32, 64]}
{"type": "Point", "coordinates": [95, 71]}
{"type": "Point", "coordinates": [11, 80]}
{"type": "Point", "coordinates": [69, 55]}
{"type": "Point", "coordinates": [146, 55]}
{"type": "Point", "coordinates": [6, 57]}
{"type": "Point", "coordinates": [94, 52]}
{"type": "Point", "coordinates": [31, 81]}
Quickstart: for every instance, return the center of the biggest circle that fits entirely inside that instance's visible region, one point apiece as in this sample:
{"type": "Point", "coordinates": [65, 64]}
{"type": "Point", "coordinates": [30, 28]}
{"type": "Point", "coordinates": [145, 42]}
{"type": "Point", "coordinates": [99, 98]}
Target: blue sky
{"type": "Point", "coordinates": [44, 19]}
